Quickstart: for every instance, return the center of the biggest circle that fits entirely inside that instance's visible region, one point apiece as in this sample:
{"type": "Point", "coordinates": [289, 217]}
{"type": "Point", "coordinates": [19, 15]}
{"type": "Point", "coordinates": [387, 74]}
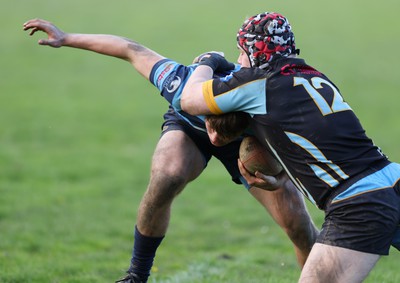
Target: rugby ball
{"type": "Point", "coordinates": [256, 157]}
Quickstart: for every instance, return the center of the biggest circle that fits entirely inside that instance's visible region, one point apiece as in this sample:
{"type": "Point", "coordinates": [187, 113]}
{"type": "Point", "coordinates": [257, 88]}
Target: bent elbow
{"type": "Point", "coordinates": [189, 106]}
{"type": "Point", "coordinates": [184, 103]}
{"type": "Point", "coordinates": [192, 101]}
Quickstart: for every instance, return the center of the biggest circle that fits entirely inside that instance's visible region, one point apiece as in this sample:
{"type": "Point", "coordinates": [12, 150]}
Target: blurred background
{"type": "Point", "coordinates": [77, 132]}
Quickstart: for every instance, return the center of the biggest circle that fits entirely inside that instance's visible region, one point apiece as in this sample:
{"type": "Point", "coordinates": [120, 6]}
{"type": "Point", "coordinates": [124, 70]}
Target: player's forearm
{"type": "Point", "coordinates": [110, 45]}
{"type": "Point", "coordinates": [141, 57]}
{"type": "Point", "coordinates": [192, 99]}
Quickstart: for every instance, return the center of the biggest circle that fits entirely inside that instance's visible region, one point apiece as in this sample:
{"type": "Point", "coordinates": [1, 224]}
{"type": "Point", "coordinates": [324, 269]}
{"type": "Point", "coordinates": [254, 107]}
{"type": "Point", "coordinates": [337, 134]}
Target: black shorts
{"type": "Point", "coordinates": [228, 154]}
{"type": "Point", "coordinates": [366, 216]}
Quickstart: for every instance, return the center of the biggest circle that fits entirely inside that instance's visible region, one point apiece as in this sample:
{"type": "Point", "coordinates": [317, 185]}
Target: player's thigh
{"type": "Point", "coordinates": [336, 265]}
{"type": "Point", "coordinates": [177, 155]}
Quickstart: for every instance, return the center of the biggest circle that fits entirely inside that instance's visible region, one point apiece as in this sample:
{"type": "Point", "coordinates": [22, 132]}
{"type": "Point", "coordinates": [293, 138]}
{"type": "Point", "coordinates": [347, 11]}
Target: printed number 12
{"type": "Point", "coordinates": [312, 88]}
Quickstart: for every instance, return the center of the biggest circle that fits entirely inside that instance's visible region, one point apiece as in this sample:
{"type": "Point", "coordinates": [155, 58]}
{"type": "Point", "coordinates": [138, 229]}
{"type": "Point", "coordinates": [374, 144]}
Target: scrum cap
{"type": "Point", "coordinates": [266, 36]}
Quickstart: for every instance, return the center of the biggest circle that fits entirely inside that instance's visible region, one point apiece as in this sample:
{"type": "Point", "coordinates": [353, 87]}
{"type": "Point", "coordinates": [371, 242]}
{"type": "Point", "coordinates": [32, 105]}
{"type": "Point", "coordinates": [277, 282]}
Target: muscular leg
{"type": "Point", "coordinates": [287, 208]}
{"type": "Point", "coordinates": [176, 161]}
{"type": "Point", "coordinates": [336, 265]}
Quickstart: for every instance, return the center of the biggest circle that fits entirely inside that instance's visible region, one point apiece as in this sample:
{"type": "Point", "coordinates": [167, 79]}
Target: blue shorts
{"type": "Point", "coordinates": [228, 154]}
{"type": "Point", "coordinates": [366, 215]}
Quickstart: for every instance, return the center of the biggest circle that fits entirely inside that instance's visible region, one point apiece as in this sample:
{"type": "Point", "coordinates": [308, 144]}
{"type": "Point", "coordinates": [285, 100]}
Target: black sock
{"type": "Point", "coordinates": [144, 251]}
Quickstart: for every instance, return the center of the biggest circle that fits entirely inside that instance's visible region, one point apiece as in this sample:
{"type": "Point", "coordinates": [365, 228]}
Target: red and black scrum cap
{"type": "Point", "coordinates": [266, 36]}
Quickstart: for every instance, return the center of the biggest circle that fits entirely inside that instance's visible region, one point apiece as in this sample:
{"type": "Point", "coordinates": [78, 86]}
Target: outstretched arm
{"type": "Point", "coordinates": [141, 57]}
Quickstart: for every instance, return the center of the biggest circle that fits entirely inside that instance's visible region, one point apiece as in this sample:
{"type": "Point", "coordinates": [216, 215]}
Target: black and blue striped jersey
{"type": "Point", "coordinates": [170, 78]}
{"type": "Point", "coordinates": [301, 116]}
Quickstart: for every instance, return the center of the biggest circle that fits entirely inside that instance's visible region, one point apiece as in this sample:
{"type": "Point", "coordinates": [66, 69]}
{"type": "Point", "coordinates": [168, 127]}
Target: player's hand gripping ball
{"type": "Point", "coordinates": [255, 157]}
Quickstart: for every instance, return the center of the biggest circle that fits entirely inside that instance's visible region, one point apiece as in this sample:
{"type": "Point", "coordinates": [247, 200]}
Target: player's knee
{"type": "Point", "coordinates": [167, 184]}
{"type": "Point", "coordinates": [301, 229]}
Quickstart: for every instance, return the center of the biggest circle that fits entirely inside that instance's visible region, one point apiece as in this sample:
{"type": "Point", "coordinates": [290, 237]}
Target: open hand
{"type": "Point", "coordinates": [55, 35]}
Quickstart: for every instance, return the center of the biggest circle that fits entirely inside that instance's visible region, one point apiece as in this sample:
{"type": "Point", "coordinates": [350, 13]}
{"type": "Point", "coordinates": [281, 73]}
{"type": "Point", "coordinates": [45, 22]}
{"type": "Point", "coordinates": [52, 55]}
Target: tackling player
{"type": "Point", "coordinates": [300, 115]}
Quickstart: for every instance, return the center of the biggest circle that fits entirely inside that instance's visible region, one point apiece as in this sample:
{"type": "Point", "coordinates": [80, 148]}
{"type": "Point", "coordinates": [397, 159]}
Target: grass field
{"type": "Point", "coordinates": [77, 132]}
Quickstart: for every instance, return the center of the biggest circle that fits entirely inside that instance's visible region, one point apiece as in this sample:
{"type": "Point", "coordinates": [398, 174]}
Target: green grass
{"type": "Point", "coordinates": [77, 132]}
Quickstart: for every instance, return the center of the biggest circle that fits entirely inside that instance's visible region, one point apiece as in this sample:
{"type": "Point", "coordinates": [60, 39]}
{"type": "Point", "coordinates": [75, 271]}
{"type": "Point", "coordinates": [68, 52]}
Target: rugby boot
{"type": "Point", "coordinates": [130, 278]}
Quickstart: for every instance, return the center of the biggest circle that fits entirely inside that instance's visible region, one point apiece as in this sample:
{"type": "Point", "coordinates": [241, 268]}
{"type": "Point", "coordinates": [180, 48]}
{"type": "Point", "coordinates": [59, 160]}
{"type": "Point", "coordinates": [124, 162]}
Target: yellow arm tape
{"type": "Point", "coordinates": [209, 98]}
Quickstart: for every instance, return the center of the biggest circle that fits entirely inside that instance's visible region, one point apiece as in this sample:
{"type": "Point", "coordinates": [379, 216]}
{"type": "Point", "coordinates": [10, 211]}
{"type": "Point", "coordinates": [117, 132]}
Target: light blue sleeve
{"type": "Point", "coordinates": [249, 98]}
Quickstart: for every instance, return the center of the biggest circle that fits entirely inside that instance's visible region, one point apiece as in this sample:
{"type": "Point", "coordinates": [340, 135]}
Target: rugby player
{"type": "Point", "coordinates": [300, 115]}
